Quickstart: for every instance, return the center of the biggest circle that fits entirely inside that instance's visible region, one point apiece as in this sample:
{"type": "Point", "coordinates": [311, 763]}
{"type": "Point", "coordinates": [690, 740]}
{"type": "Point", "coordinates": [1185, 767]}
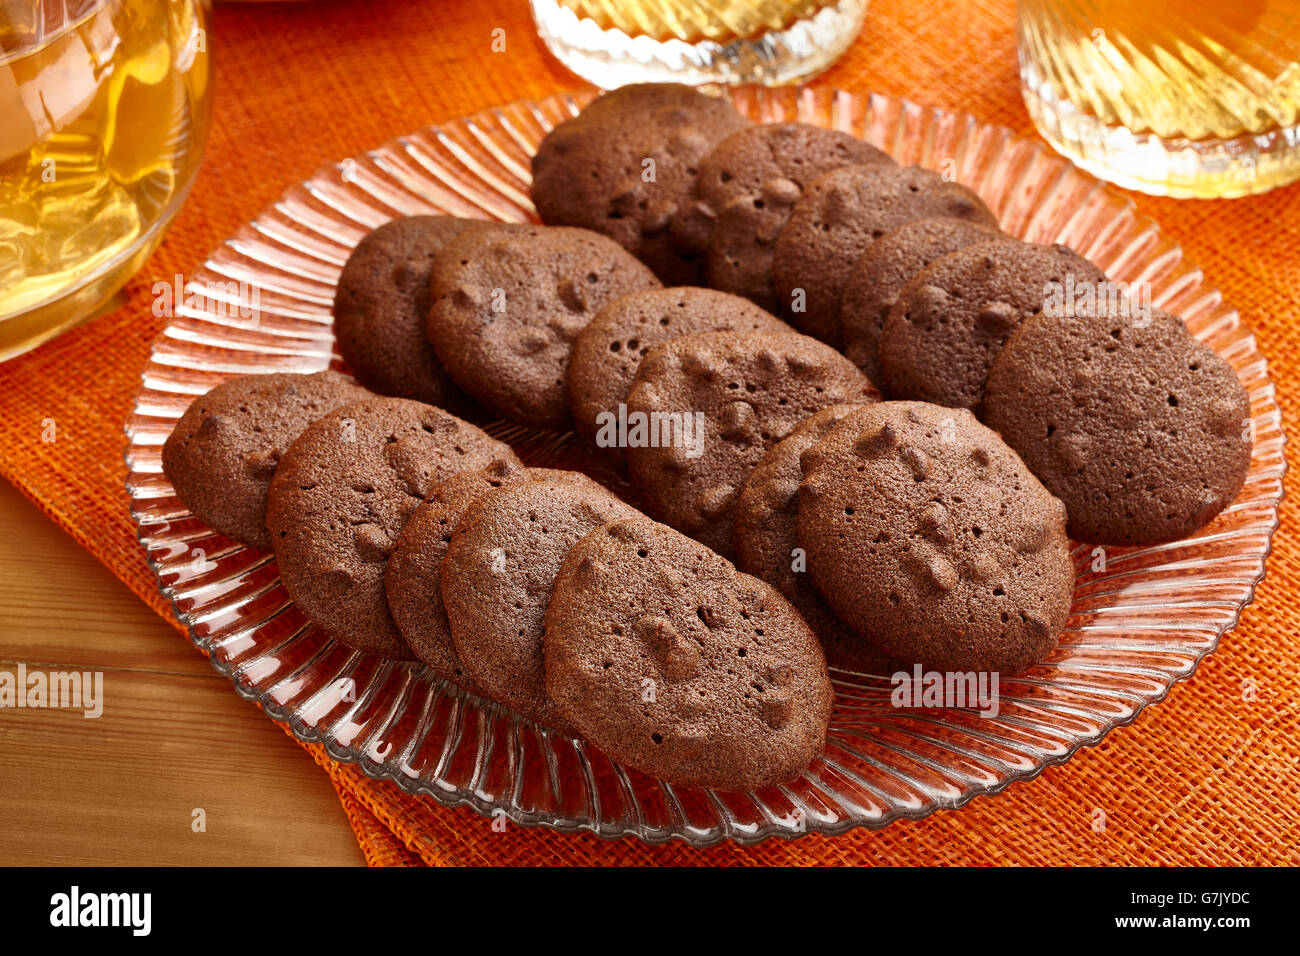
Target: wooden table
{"type": "Point", "coordinates": [173, 737]}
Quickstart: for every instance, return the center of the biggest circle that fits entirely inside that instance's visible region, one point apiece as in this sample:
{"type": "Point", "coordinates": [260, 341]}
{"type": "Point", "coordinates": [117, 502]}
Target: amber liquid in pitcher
{"type": "Point", "coordinates": [103, 111]}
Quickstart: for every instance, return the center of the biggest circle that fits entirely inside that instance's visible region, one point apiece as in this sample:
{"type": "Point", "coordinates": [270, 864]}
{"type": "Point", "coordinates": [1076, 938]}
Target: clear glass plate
{"type": "Point", "coordinates": [1136, 628]}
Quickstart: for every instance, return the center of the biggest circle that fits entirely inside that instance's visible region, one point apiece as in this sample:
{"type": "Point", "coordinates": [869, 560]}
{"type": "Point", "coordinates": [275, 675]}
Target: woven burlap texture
{"type": "Point", "coordinates": [1204, 777]}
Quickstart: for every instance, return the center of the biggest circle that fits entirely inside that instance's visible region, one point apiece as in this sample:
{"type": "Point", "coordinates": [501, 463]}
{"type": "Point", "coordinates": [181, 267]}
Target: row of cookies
{"type": "Point", "coordinates": [909, 274]}
{"type": "Point", "coordinates": [539, 325]}
{"type": "Point", "coordinates": [778, 213]}
{"type": "Point", "coordinates": [1144, 432]}
{"type": "Point", "coordinates": [406, 532]}
{"type": "Point", "coordinates": [545, 592]}
{"type": "Point", "coordinates": [325, 474]}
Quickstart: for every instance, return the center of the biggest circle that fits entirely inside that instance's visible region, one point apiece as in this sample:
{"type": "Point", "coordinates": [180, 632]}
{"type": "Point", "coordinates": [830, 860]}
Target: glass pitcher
{"type": "Point", "coordinates": [104, 110]}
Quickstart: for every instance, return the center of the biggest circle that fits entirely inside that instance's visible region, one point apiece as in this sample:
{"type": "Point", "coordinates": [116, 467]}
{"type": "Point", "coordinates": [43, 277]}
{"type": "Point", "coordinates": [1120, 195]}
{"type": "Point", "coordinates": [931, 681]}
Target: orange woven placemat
{"type": "Point", "coordinates": [1204, 777]}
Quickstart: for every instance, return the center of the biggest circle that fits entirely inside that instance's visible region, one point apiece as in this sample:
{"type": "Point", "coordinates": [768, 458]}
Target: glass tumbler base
{"type": "Point", "coordinates": [1180, 168]}
{"type": "Point", "coordinates": [610, 58]}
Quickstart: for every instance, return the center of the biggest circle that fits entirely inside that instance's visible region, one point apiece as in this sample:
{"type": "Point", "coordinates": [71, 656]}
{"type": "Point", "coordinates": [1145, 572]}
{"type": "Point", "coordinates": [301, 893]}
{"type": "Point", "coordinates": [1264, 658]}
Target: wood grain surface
{"type": "Point", "coordinates": [173, 737]}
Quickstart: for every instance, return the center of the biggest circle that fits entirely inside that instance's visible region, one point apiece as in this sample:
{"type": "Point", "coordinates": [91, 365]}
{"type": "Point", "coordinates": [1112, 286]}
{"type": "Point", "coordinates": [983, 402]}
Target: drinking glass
{"type": "Point", "coordinates": [614, 42]}
{"type": "Point", "coordinates": [1187, 98]}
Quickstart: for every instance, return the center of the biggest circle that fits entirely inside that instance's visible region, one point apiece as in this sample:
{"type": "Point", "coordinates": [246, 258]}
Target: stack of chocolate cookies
{"type": "Point", "coordinates": [831, 370]}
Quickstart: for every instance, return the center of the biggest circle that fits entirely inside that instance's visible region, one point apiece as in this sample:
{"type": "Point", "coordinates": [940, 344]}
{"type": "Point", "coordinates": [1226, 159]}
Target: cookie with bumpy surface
{"type": "Point", "coordinates": [746, 190]}
{"type": "Point", "coordinates": [627, 171]}
{"type": "Point", "coordinates": [508, 304]}
{"type": "Point", "coordinates": [223, 451]}
{"type": "Point", "coordinates": [381, 307]}
{"type": "Point", "coordinates": [670, 660]}
{"type": "Point", "coordinates": [647, 97]}
{"type": "Point", "coordinates": [497, 575]}
{"type": "Point", "coordinates": [928, 536]}
{"type": "Point", "coordinates": [767, 544]}
{"type": "Point", "coordinates": [953, 317]}
{"type": "Point", "coordinates": [839, 216]}
{"type": "Point", "coordinates": [413, 578]}
{"type": "Point", "coordinates": [886, 266]}
{"type": "Point", "coordinates": [342, 495]}
{"type": "Point", "coordinates": [1140, 429]}
{"type": "Point", "coordinates": [713, 404]}
{"type": "Point", "coordinates": [609, 350]}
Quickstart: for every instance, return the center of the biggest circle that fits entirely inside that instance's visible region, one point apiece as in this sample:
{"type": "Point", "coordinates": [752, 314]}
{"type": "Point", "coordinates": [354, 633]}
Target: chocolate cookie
{"type": "Point", "coordinates": [497, 576]}
{"type": "Point", "coordinates": [224, 449]}
{"type": "Point", "coordinates": [648, 97]}
{"type": "Point", "coordinates": [508, 305]}
{"type": "Point", "coordinates": [746, 190]}
{"type": "Point", "coordinates": [627, 172]}
{"type": "Point", "coordinates": [767, 545]}
{"type": "Point", "coordinates": [929, 537]}
{"type": "Point", "coordinates": [876, 279]}
{"type": "Point", "coordinates": [842, 212]}
{"type": "Point", "coordinates": [670, 660]}
{"type": "Point", "coordinates": [1140, 429]}
{"type": "Point", "coordinates": [953, 316]}
{"type": "Point", "coordinates": [413, 581]}
{"type": "Point", "coordinates": [609, 350]}
{"type": "Point", "coordinates": [381, 307]}
{"type": "Point", "coordinates": [711, 405]}
{"type": "Point", "coordinates": [341, 497]}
